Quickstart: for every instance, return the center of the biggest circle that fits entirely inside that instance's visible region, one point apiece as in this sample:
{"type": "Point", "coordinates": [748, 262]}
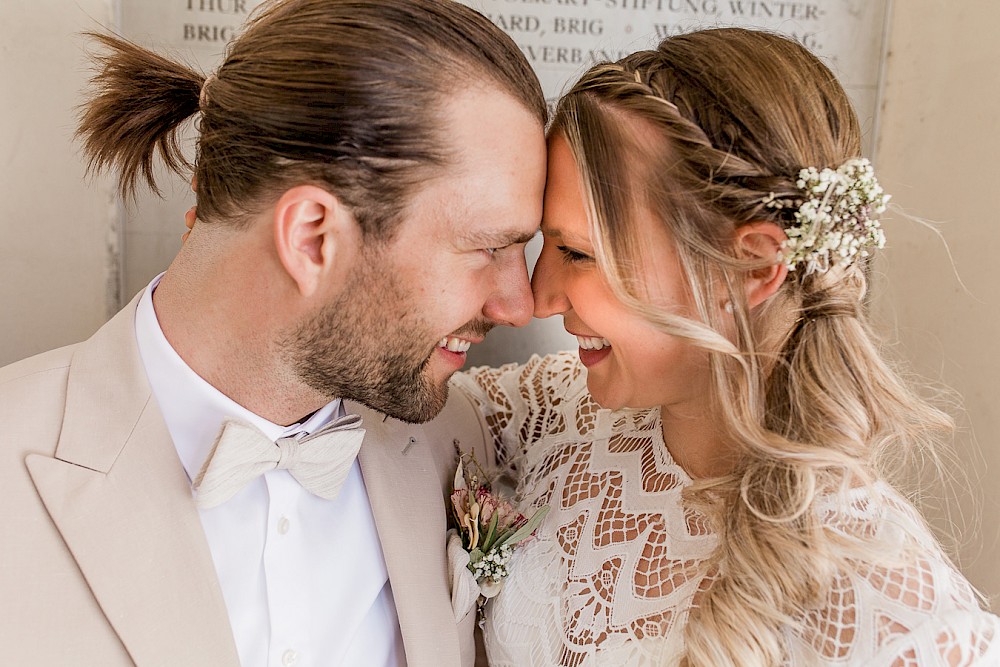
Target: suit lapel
{"type": "Point", "coordinates": [119, 496]}
{"type": "Point", "coordinates": [407, 500]}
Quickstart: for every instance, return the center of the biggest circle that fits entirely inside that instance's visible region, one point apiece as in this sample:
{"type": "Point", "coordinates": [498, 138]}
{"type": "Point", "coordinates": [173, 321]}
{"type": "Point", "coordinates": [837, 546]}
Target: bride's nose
{"type": "Point", "coordinates": [547, 282]}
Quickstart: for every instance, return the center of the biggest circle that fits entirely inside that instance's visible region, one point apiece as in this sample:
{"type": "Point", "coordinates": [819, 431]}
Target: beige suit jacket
{"type": "Point", "coordinates": [103, 560]}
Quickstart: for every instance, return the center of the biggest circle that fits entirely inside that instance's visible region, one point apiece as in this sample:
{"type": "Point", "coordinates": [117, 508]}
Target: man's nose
{"type": "Point", "coordinates": [546, 283]}
{"type": "Point", "coordinates": [511, 302]}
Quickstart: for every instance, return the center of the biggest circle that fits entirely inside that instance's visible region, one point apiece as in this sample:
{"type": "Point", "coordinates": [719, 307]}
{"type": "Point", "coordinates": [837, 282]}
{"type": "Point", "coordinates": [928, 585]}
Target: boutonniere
{"type": "Point", "coordinates": [489, 526]}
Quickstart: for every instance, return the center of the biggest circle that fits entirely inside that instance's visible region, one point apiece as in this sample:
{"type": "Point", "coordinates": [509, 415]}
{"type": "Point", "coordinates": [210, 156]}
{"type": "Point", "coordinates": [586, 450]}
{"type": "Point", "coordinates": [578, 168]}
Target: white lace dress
{"type": "Point", "coordinates": [616, 564]}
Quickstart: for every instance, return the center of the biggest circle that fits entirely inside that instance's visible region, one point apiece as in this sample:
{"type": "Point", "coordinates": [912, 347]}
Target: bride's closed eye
{"type": "Point", "coordinates": [571, 256]}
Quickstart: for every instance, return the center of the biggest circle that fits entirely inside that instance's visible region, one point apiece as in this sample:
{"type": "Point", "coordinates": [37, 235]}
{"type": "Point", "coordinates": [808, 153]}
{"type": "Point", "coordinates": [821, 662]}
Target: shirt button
{"type": "Point", "coordinates": [283, 525]}
{"type": "Point", "coordinates": [289, 657]}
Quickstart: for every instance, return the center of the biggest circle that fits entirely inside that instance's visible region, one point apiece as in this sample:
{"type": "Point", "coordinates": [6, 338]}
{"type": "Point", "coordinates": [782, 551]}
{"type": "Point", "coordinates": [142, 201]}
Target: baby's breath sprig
{"type": "Point", "coordinates": [837, 217]}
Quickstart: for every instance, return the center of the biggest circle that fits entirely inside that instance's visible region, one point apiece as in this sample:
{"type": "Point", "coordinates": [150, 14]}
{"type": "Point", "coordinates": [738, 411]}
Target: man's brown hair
{"type": "Point", "coordinates": [345, 94]}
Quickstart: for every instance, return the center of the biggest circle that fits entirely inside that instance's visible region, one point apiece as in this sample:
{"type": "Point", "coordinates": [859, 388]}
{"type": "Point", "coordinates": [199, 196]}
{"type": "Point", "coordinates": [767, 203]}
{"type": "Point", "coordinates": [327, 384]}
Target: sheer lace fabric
{"type": "Point", "coordinates": [618, 562]}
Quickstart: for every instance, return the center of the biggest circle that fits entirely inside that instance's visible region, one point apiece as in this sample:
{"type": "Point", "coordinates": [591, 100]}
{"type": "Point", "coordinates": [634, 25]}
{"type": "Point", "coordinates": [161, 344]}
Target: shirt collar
{"type": "Point", "coordinates": [192, 408]}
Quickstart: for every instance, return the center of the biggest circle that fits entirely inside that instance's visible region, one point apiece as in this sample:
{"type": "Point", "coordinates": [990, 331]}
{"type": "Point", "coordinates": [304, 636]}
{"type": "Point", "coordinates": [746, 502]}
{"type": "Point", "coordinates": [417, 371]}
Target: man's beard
{"type": "Point", "coordinates": [370, 346]}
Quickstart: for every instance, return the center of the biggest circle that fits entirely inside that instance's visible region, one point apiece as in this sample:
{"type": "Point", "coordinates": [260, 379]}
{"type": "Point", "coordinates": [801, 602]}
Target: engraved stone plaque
{"type": "Point", "coordinates": [562, 38]}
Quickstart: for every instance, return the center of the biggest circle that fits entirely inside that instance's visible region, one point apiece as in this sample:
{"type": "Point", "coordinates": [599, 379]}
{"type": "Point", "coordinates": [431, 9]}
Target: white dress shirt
{"type": "Point", "coordinates": [304, 579]}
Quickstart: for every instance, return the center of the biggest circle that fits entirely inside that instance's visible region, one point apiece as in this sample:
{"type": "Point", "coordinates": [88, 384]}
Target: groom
{"type": "Point", "coordinates": [368, 173]}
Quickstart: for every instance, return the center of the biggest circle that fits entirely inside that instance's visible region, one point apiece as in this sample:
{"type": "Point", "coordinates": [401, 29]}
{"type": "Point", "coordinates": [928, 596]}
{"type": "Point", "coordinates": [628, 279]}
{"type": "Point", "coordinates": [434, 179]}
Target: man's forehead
{"type": "Point", "coordinates": [489, 192]}
{"type": "Point", "coordinates": [489, 212]}
{"type": "Point", "coordinates": [452, 214]}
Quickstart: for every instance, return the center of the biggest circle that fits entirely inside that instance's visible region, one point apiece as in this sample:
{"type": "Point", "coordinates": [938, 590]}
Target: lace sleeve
{"type": "Point", "coordinates": [957, 638]}
{"type": "Point", "coordinates": [911, 610]}
{"type": "Point", "coordinates": [520, 403]}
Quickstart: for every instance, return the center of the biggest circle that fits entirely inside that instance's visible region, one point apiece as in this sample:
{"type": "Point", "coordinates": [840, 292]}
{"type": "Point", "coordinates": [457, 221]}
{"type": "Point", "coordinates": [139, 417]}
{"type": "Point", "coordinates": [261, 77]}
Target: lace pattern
{"type": "Point", "coordinates": [619, 562]}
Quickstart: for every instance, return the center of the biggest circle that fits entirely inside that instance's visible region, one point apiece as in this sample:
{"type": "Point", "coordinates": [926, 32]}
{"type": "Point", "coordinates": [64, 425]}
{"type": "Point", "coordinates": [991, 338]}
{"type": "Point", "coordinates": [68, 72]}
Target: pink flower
{"type": "Point", "coordinates": [509, 517]}
{"type": "Point", "coordinates": [488, 505]}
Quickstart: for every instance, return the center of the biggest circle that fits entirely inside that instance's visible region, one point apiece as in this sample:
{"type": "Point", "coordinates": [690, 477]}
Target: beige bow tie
{"type": "Point", "coordinates": [319, 461]}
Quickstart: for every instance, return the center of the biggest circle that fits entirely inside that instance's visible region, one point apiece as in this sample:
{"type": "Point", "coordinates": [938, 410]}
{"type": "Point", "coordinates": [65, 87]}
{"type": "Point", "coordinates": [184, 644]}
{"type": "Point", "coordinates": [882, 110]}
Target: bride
{"type": "Point", "coordinates": [715, 457]}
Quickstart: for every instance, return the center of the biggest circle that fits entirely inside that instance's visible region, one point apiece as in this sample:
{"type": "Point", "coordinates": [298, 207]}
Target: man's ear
{"type": "Point", "coordinates": [762, 241]}
{"type": "Point", "coordinates": [316, 237]}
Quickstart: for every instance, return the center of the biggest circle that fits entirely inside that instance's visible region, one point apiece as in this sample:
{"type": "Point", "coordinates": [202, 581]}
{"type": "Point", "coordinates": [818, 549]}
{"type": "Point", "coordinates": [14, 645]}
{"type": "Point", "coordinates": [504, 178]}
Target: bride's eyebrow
{"type": "Point", "coordinates": [551, 232]}
{"type": "Point", "coordinates": [557, 234]}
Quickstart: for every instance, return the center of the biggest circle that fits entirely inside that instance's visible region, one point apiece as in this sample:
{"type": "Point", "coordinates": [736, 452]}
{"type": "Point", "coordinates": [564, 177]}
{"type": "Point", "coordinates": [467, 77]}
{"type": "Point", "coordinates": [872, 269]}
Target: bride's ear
{"type": "Point", "coordinates": [762, 241]}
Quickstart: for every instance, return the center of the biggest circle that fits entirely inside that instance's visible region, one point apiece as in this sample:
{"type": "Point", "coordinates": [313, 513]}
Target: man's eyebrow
{"type": "Point", "coordinates": [498, 238]}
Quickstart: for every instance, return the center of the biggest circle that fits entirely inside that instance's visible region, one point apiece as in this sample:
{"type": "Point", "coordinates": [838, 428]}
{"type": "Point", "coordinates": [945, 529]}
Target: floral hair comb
{"type": "Point", "coordinates": [836, 219]}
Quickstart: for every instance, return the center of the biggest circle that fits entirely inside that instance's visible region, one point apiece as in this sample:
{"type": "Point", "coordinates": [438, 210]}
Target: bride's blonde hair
{"type": "Point", "coordinates": [700, 131]}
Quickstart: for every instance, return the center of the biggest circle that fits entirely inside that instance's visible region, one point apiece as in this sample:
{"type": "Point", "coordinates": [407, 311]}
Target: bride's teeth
{"type": "Point", "coordinates": [453, 344]}
{"type": "Point", "coordinates": [593, 343]}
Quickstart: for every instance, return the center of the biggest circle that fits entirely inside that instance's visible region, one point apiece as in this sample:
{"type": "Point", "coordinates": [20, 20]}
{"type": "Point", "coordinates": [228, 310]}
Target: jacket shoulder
{"type": "Point", "coordinates": [45, 364]}
{"type": "Point", "coordinates": [32, 401]}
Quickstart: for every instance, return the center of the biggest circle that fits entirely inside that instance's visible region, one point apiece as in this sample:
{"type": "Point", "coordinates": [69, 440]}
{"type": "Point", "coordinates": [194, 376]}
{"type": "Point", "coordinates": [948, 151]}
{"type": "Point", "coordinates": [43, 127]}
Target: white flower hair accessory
{"type": "Point", "coordinates": [837, 218]}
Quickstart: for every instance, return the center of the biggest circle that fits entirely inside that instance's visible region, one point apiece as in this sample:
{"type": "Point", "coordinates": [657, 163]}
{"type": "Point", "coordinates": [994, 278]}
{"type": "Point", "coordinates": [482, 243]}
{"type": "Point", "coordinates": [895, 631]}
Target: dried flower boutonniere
{"type": "Point", "coordinates": [490, 528]}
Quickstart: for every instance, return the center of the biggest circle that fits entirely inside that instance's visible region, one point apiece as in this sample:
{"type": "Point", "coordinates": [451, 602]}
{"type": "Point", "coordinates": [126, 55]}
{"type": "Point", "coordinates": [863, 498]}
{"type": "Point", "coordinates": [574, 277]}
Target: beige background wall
{"type": "Point", "coordinates": [937, 150]}
{"type": "Point", "coordinates": [939, 137]}
{"type": "Point", "coordinates": [57, 233]}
